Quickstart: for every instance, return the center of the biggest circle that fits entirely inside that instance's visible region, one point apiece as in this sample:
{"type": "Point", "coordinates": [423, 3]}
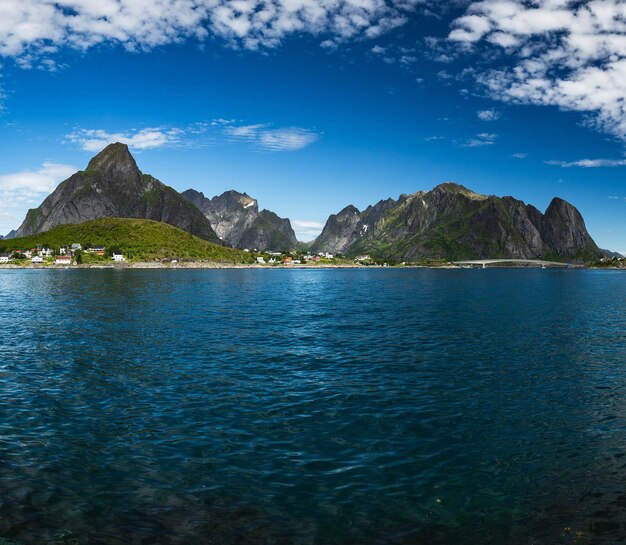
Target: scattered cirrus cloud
{"type": "Point", "coordinates": [267, 138]}
{"type": "Point", "coordinates": [520, 155]}
{"type": "Point", "coordinates": [590, 163]}
{"type": "Point", "coordinates": [488, 115]}
{"type": "Point", "coordinates": [565, 53]}
{"type": "Point", "coordinates": [218, 131]}
{"type": "Point", "coordinates": [307, 230]}
{"type": "Point", "coordinates": [22, 190]}
{"type": "Point", "coordinates": [482, 139]}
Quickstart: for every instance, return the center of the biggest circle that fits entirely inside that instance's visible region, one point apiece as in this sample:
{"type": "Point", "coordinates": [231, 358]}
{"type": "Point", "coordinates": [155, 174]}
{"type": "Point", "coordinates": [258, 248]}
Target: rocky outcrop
{"type": "Point", "coordinates": [453, 222]}
{"type": "Point", "coordinates": [341, 231]}
{"type": "Point", "coordinates": [236, 219]}
{"type": "Point", "coordinates": [269, 232]}
{"type": "Point", "coordinates": [112, 186]}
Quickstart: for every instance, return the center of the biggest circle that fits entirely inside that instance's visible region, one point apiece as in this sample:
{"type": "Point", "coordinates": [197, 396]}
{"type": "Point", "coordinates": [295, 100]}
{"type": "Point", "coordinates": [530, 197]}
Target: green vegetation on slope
{"type": "Point", "coordinates": [143, 240]}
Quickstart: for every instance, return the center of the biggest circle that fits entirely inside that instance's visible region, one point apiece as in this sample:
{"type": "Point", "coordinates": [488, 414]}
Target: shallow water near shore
{"type": "Point", "coordinates": [313, 406]}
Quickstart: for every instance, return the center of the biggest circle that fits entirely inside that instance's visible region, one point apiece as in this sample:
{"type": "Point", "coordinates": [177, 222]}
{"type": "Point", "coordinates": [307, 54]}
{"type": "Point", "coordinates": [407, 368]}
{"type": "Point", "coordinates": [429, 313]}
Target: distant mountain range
{"type": "Point", "coordinates": [447, 222]}
{"type": "Point", "coordinates": [452, 222]}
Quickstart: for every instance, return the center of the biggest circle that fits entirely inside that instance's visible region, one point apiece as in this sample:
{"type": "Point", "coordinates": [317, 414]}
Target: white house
{"type": "Point", "coordinates": [45, 252]}
{"type": "Point", "coordinates": [63, 260]}
{"type": "Point", "coordinates": [36, 259]}
{"type": "Point", "coordinates": [76, 246]}
{"type": "Point", "coordinates": [118, 257]}
{"type": "Point", "coordinates": [62, 250]}
{"type": "Point", "coordinates": [260, 260]}
{"type": "Point", "coordinates": [4, 258]}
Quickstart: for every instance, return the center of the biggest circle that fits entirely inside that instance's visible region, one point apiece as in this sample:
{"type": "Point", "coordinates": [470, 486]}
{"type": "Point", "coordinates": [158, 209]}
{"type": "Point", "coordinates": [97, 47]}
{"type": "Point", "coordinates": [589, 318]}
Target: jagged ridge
{"type": "Point", "coordinates": [236, 219]}
{"type": "Point", "coordinates": [453, 222]}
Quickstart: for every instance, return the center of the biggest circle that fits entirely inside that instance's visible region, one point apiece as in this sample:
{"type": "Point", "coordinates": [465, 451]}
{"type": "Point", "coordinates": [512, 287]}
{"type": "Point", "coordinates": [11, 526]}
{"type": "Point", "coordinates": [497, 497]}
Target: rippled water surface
{"type": "Point", "coordinates": [313, 406]}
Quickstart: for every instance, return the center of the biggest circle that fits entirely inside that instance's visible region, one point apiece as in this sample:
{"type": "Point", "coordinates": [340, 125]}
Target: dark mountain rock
{"type": "Point", "coordinates": [269, 232]}
{"type": "Point", "coordinates": [112, 186]}
{"type": "Point", "coordinates": [341, 231]}
{"type": "Point", "coordinates": [563, 229]}
{"type": "Point", "coordinates": [236, 219]}
{"type": "Point", "coordinates": [10, 234]}
{"type": "Point", "coordinates": [453, 222]}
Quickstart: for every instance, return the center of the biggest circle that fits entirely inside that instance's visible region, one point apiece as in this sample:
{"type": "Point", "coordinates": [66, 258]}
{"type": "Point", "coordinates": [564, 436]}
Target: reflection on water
{"type": "Point", "coordinates": [312, 407]}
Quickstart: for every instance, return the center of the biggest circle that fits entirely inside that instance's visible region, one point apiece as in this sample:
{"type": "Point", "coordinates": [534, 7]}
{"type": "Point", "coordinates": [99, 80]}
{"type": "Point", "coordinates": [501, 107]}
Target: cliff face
{"type": "Point", "coordinates": [236, 219]}
{"type": "Point", "coordinates": [112, 186]}
{"type": "Point", "coordinates": [453, 222]}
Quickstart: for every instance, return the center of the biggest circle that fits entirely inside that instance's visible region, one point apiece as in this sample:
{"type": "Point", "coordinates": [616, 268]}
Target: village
{"type": "Point", "coordinates": [75, 254]}
{"type": "Point", "coordinates": [63, 256]}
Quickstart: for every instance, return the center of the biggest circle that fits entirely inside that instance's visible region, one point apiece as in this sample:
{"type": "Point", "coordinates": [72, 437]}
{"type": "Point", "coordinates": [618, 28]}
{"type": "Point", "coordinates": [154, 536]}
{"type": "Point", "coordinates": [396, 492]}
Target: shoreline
{"type": "Point", "coordinates": [255, 266]}
{"type": "Point", "coordinates": [205, 265]}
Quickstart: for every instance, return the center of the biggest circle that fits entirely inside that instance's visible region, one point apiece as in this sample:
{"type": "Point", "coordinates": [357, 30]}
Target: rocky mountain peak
{"type": "Point", "coordinates": [457, 189]}
{"type": "Point", "coordinates": [115, 160]}
{"type": "Point", "coordinates": [112, 186]}
{"type": "Point", "coordinates": [350, 209]}
{"type": "Point", "coordinates": [242, 199]}
{"type": "Point", "coordinates": [236, 219]}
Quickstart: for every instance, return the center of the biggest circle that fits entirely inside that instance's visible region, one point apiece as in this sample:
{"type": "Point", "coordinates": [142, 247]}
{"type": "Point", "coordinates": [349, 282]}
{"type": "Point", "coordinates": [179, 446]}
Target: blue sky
{"type": "Point", "coordinates": [311, 106]}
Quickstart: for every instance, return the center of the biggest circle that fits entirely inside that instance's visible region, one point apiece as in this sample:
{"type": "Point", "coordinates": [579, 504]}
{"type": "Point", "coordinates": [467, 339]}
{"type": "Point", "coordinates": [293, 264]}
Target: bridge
{"type": "Point", "coordinates": [525, 262]}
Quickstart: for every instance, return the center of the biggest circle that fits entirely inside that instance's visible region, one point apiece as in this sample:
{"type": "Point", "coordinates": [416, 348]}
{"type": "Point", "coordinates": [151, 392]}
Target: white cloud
{"type": "Point", "coordinates": [488, 115]}
{"type": "Point", "coordinates": [566, 53]}
{"type": "Point", "coordinates": [31, 29]}
{"type": "Point", "coordinates": [20, 191]}
{"type": "Point", "coordinates": [37, 182]}
{"type": "Point", "coordinates": [307, 230]}
{"type": "Point", "coordinates": [97, 139]}
{"type": "Point", "coordinates": [590, 163]}
{"type": "Point", "coordinates": [519, 155]}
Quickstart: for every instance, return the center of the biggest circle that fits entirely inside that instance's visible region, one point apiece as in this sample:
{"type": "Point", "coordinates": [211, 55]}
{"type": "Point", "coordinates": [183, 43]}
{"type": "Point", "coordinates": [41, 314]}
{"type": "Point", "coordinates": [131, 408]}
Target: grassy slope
{"type": "Point", "coordinates": [144, 240]}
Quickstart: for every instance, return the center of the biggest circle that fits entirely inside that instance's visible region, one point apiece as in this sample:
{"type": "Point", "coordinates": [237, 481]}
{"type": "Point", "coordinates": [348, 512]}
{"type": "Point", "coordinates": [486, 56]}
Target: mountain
{"type": "Point", "coordinates": [112, 186]}
{"type": "Point", "coordinates": [611, 255]}
{"type": "Point", "coordinates": [453, 222]}
{"type": "Point", "coordinates": [236, 219]}
{"type": "Point", "coordinates": [10, 234]}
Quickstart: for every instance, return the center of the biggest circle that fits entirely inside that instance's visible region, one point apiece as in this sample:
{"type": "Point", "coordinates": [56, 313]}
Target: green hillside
{"type": "Point", "coordinates": [143, 240]}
